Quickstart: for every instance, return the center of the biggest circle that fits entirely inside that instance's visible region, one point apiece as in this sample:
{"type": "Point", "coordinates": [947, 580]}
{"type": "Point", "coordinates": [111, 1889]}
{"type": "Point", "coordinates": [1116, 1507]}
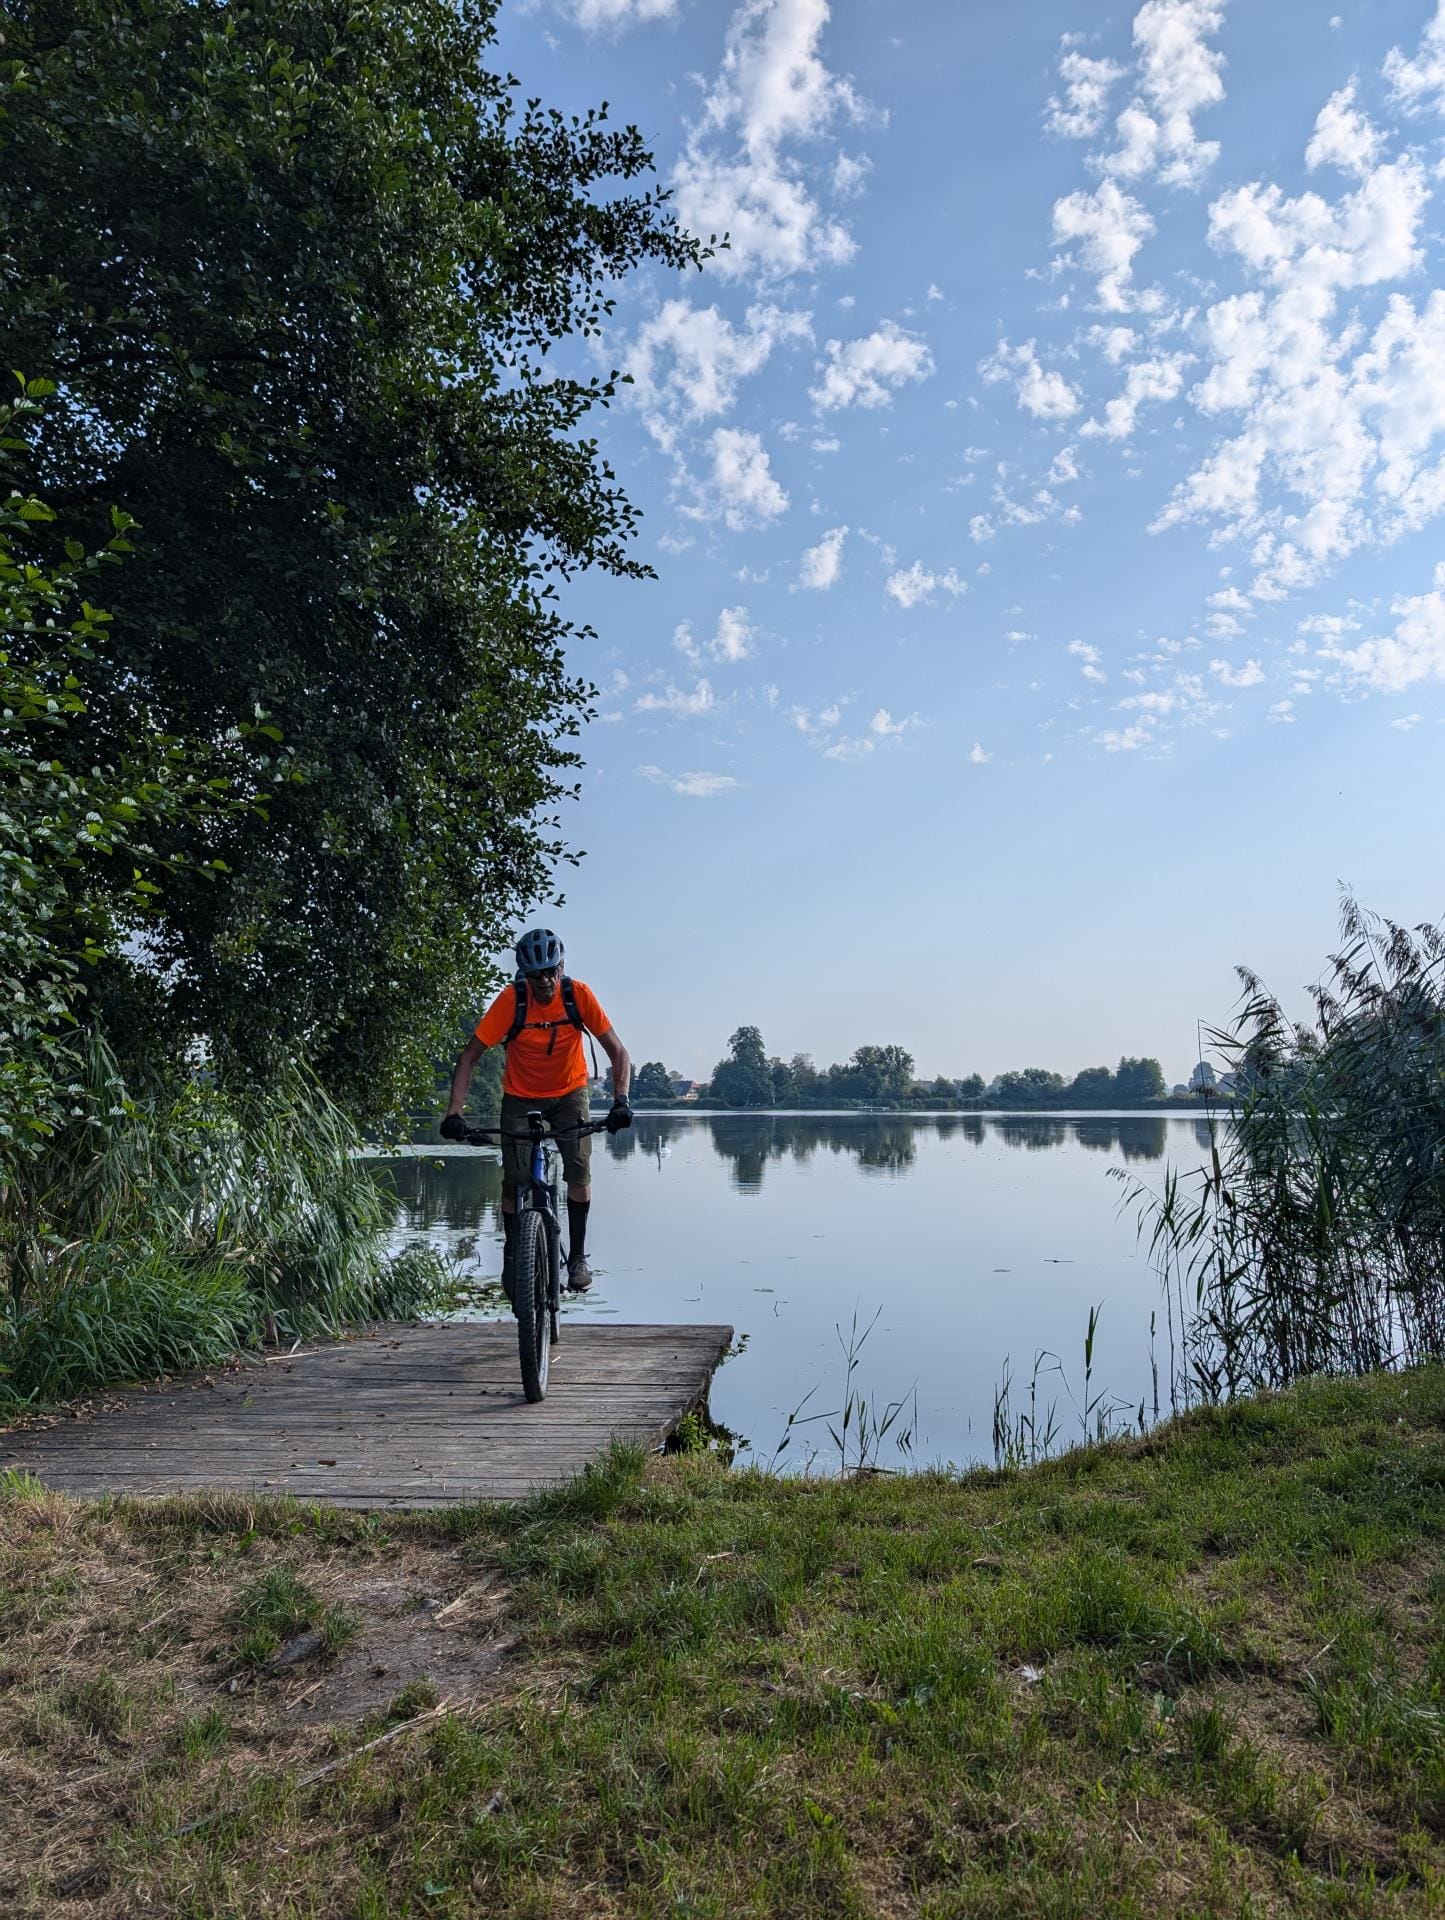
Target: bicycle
{"type": "Point", "coordinates": [537, 1256]}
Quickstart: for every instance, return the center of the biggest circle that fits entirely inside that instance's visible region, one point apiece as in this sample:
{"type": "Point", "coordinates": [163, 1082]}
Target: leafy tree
{"type": "Point", "coordinates": [785, 1085]}
{"type": "Point", "coordinates": [970, 1087]}
{"type": "Point", "coordinates": [1092, 1087]}
{"type": "Point", "coordinates": [1137, 1080]}
{"type": "Point", "coordinates": [300, 338]}
{"type": "Point", "coordinates": [651, 1082]}
{"type": "Point", "coordinates": [805, 1077]}
{"type": "Point", "coordinates": [744, 1079]}
{"type": "Point", "coordinates": [882, 1073]}
{"type": "Point", "coordinates": [78, 873]}
{"type": "Point", "coordinates": [1030, 1087]}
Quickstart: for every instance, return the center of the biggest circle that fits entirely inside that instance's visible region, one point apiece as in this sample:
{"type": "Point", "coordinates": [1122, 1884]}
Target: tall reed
{"type": "Point", "coordinates": [1314, 1240]}
{"type": "Point", "coordinates": [163, 1228]}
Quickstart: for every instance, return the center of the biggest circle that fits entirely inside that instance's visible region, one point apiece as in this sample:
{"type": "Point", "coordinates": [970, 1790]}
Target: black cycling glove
{"type": "Point", "coordinates": [454, 1127]}
{"type": "Point", "coordinates": [620, 1115]}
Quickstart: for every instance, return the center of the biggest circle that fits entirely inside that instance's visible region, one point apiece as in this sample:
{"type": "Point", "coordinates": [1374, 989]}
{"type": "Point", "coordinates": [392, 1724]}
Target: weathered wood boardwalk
{"type": "Point", "coordinates": [420, 1416]}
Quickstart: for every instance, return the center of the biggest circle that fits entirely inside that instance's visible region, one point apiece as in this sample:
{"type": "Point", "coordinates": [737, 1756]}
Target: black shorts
{"type": "Point", "coordinates": [571, 1110]}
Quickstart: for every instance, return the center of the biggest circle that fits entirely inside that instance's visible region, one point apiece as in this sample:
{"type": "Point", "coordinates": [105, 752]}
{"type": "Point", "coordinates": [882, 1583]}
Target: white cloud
{"type": "Point", "coordinates": [849, 748]}
{"type": "Point", "coordinates": [1336, 446]}
{"type": "Point", "coordinates": [1147, 381]}
{"type": "Point", "coordinates": [910, 585]}
{"type": "Point", "coordinates": [885, 727]}
{"type": "Point", "coordinates": [1090, 656]}
{"type": "Point", "coordinates": [1414, 652]}
{"type": "Point", "coordinates": [849, 173]}
{"type": "Point", "coordinates": [1343, 136]}
{"type": "Point", "coordinates": [697, 786]}
{"type": "Point", "coordinates": [822, 722]}
{"type": "Point", "coordinates": [1281, 714]}
{"type": "Point", "coordinates": [686, 362]}
{"type": "Point", "coordinates": [821, 565]}
{"type": "Point", "coordinates": [1040, 391]}
{"type": "Point", "coordinates": [1087, 83]}
{"type": "Point", "coordinates": [1105, 230]}
{"type": "Point", "coordinates": [977, 755]}
{"type": "Point", "coordinates": [613, 14]}
{"type": "Point", "coordinates": [980, 528]}
{"type": "Point", "coordinates": [1178, 76]}
{"type": "Point", "coordinates": [1063, 468]}
{"type": "Point", "coordinates": [1125, 739]}
{"type": "Point", "coordinates": [1407, 722]}
{"type": "Point", "coordinates": [741, 488]}
{"type": "Point", "coordinates": [1419, 84]}
{"type": "Point", "coordinates": [731, 642]}
{"type": "Point", "coordinates": [1249, 675]}
{"type": "Point", "coordinates": [686, 706]}
{"type": "Point", "coordinates": [773, 88]}
{"type": "Point", "coordinates": [867, 372]}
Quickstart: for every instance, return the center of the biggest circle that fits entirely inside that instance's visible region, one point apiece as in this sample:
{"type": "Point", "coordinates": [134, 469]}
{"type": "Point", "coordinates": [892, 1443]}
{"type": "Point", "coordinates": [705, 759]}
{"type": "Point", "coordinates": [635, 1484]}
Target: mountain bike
{"type": "Point", "coordinates": [537, 1257]}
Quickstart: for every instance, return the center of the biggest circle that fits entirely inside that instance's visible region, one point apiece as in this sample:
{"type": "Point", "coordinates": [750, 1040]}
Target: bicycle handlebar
{"type": "Point", "coordinates": [479, 1136]}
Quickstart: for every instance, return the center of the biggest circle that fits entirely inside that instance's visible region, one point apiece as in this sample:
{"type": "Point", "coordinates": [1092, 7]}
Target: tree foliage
{"type": "Point", "coordinates": [79, 873]}
{"type": "Point", "coordinates": [300, 337]}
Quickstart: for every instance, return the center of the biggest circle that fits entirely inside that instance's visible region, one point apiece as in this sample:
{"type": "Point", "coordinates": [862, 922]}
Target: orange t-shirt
{"type": "Point", "coordinates": [546, 1059]}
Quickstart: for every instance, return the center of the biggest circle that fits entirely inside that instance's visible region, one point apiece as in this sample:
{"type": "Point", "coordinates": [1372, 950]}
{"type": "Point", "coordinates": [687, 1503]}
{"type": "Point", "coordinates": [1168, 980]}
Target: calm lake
{"type": "Point", "coordinates": [978, 1240]}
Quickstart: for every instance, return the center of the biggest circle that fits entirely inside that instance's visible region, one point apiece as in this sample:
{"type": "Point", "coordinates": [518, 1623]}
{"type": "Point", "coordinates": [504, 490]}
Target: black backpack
{"type": "Point", "coordinates": [520, 1020]}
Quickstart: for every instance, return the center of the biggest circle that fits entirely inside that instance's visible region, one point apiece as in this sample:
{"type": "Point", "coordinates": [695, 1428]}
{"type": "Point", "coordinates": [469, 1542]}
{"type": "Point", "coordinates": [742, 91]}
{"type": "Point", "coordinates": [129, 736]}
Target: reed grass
{"type": "Point", "coordinates": [168, 1226]}
{"type": "Point", "coordinates": [1313, 1242]}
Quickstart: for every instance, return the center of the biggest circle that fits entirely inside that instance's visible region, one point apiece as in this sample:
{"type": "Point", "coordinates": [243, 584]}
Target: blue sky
{"type": "Point", "coordinates": [1046, 495]}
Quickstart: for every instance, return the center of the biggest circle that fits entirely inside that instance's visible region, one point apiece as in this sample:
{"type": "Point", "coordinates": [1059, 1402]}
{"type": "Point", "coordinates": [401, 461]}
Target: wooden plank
{"type": "Point", "coordinates": [424, 1416]}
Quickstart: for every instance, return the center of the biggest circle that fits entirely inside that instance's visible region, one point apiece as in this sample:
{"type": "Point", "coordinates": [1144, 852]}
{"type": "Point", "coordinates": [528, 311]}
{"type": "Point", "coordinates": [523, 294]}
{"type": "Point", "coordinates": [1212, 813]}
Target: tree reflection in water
{"type": "Point", "coordinates": [452, 1190]}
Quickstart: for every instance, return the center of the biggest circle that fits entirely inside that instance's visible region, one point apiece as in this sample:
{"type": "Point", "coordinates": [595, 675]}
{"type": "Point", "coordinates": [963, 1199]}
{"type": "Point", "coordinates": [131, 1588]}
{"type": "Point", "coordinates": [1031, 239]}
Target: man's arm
{"type": "Point", "coordinates": [621, 1062]}
{"type": "Point", "coordinates": [466, 1066]}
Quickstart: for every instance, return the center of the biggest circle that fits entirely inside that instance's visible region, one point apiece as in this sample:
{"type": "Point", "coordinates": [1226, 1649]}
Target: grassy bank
{"type": "Point", "coordinates": [1196, 1674]}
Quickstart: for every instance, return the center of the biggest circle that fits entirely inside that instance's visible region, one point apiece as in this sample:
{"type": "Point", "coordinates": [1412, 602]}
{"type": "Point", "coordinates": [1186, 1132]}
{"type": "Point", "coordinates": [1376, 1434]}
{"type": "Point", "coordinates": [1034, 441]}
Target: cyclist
{"type": "Point", "coordinates": [539, 1019]}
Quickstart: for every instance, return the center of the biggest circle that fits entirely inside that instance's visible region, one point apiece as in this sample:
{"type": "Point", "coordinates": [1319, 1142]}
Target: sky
{"type": "Point", "coordinates": [1045, 491]}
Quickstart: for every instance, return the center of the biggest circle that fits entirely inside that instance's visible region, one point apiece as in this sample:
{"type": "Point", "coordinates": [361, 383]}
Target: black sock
{"type": "Point", "coordinates": [577, 1226]}
{"type": "Point", "coordinates": [509, 1233]}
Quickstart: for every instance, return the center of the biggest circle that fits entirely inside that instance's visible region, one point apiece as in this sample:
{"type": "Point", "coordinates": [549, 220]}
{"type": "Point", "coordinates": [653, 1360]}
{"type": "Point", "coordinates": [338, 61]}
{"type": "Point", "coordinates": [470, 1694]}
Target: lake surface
{"type": "Point", "coordinates": [979, 1240]}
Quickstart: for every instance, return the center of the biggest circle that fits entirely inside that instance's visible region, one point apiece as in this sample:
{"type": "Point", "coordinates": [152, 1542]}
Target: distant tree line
{"type": "Point", "coordinates": [748, 1076]}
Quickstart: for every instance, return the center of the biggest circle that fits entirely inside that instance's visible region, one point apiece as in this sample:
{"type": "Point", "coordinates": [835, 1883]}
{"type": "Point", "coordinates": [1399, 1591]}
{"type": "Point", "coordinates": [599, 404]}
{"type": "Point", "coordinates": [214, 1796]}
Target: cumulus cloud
{"type": "Point", "coordinates": [1090, 658]}
{"type": "Point", "coordinates": [741, 489]}
{"type": "Point", "coordinates": [1249, 675]}
{"type": "Point", "coordinates": [696, 786]}
{"type": "Point", "coordinates": [1102, 232]}
{"type": "Point", "coordinates": [1418, 84]}
{"type": "Point", "coordinates": [977, 755]}
{"type": "Point", "coordinates": [850, 170]}
{"type": "Point", "coordinates": [610, 15]}
{"type": "Point", "coordinates": [868, 372]}
{"type": "Point", "coordinates": [1147, 381]}
{"type": "Point", "coordinates": [1078, 114]}
{"type": "Point", "coordinates": [821, 565]}
{"type": "Point", "coordinates": [732, 639]}
{"type": "Point", "coordinates": [1178, 74]}
{"type": "Point", "coordinates": [1040, 390]}
{"type": "Point", "coordinates": [1338, 419]}
{"type": "Point", "coordinates": [676, 701]}
{"type": "Point", "coordinates": [910, 585]}
{"type": "Point", "coordinates": [1343, 136]}
{"type": "Point", "coordinates": [884, 727]}
{"type": "Point", "coordinates": [1414, 652]}
{"type": "Point", "coordinates": [772, 89]}
{"type": "Point", "coordinates": [686, 362]}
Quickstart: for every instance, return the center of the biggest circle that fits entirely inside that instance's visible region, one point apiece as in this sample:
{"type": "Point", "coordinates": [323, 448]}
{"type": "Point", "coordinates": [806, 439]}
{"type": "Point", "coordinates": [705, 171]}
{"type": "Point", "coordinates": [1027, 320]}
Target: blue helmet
{"type": "Point", "coordinates": [539, 950]}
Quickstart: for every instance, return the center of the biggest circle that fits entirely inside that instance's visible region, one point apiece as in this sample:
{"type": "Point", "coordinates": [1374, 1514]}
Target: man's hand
{"type": "Point", "coordinates": [454, 1127]}
{"type": "Point", "coordinates": [620, 1114]}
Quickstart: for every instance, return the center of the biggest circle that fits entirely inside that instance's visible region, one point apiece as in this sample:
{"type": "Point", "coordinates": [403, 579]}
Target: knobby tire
{"type": "Point", "coordinates": [533, 1320]}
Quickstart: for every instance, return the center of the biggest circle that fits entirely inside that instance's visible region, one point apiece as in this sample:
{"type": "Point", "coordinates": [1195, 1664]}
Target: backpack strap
{"type": "Point", "coordinates": [569, 1001]}
{"type": "Point", "coordinates": [519, 1012]}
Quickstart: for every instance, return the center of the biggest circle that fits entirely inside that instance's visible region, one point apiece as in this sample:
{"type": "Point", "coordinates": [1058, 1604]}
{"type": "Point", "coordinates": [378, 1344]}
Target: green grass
{"type": "Point", "coordinates": [1198, 1674]}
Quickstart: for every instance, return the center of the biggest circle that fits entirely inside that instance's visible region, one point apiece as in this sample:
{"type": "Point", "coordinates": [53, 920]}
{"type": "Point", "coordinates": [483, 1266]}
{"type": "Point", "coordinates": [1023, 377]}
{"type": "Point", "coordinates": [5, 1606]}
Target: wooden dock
{"type": "Point", "coordinates": [402, 1416]}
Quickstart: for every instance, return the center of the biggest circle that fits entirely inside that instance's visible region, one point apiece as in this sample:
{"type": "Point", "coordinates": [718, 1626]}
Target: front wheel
{"type": "Point", "coordinates": [531, 1303]}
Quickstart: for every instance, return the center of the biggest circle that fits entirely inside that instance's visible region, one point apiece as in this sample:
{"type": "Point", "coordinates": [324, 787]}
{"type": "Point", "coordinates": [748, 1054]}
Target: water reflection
{"type": "Point", "coordinates": [465, 1191]}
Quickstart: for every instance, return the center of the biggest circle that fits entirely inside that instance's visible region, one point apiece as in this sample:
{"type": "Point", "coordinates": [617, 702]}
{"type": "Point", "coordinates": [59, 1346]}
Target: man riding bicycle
{"type": "Point", "coordinates": [539, 1019]}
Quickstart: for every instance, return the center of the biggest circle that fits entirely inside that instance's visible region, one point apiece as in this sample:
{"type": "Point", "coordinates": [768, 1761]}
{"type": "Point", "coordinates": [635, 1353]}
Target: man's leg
{"type": "Point", "coordinates": [576, 1164]}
